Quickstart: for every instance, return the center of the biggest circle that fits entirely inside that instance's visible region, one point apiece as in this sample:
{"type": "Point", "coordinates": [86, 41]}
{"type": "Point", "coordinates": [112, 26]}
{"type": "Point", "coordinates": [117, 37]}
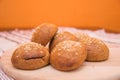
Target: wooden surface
{"type": "Point", "coordinates": [107, 70]}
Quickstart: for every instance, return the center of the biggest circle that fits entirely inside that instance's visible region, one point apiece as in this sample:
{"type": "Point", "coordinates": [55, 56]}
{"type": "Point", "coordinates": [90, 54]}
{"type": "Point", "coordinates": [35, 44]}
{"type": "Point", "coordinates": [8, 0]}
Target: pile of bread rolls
{"type": "Point", "coordinates": [63, 50]}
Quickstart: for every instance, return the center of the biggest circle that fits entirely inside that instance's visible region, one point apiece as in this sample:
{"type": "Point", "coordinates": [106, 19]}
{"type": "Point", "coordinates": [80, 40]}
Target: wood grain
{"type": "Point", "coordinates": [107, 70]}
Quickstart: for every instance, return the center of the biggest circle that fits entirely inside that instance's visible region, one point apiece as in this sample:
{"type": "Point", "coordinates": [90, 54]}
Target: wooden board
{"type": "Point", "coordinates": [107, 70]}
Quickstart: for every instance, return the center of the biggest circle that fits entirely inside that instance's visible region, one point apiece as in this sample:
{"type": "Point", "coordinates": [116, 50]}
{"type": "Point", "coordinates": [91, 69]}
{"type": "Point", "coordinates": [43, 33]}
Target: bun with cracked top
{"type": "Point", "coordinates": [30, 56]}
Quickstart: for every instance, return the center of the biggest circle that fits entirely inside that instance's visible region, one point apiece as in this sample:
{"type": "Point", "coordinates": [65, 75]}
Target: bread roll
{"type": "Point", "coordinates": [30, 56]}
{"type": "Point", "coordinates": [68, 55]}
{"type": "Point", "coordinates": [44, 33]}
{"type": "Point", "coordinates": [82, 37]}
{"type": "Point", "coordinates": [97, 50]}
{"type": "Point", "coordinates": [61, 36]}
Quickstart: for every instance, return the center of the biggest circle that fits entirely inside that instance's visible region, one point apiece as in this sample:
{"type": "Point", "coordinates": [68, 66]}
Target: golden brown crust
{"type": "Point", "coordinates": [30, 56]}
{"type": "Point", "coordinates": [97, 50]}
{"type": "Point", "coordinates": [44, 33]}
{"type": "Point", "coordinates": [68, 55]}
{"type": "Point", "coordinates": [61, 36]}
{"type": "Point", "coordinates": [82, 37]}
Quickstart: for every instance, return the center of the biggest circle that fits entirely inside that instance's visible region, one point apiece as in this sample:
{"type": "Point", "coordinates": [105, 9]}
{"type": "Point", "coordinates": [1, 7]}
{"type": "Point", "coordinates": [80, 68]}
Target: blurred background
{"type": "Point", "coordinates": [84, 14]}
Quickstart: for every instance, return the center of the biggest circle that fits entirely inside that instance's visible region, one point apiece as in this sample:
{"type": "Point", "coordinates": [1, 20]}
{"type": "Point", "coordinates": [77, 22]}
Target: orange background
{"type": "Point", "coordinates": [78, 13]}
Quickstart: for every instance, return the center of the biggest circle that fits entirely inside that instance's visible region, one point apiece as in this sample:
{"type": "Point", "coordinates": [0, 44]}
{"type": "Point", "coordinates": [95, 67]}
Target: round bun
{"type": "Point", "coordinates": [96, 50]}
{"type": "Point", "coordinates": [68, 55]}
{"type": "Point", "coordinates": [82, 37]}
{"type": "Point", "coordinates": [61, 36]}
{"type": "Point", "coordinates": [30, 56]}
{"type": "Point", "coordinates": [44, 33]}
